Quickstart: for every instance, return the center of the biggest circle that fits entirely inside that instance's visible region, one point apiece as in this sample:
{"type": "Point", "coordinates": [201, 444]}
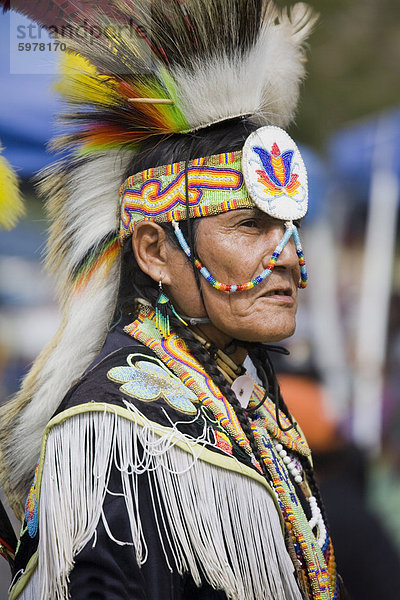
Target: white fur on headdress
{"type": "Point", "coordinates": [262, 83]}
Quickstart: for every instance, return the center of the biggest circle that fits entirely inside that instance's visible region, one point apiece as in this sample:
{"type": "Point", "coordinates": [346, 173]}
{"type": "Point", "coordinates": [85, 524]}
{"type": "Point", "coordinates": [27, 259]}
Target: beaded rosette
{"type": "Point", "coordinates": [275, 174]}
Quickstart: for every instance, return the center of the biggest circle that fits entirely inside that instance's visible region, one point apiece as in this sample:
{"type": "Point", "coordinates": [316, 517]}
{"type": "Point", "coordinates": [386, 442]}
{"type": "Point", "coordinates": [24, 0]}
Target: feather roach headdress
{"type": "Point", "coordinates": [138, 72]}
{"type": "Point", "coordinates": [11, 206]}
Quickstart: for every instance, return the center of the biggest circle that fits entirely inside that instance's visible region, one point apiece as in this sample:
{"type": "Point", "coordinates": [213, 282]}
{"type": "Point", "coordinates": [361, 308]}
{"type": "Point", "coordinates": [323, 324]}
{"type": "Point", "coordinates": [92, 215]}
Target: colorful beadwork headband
{"type": "Point", "coordinates": [268, 173]}
{"type": "Point", "coordinates": [215, 185]}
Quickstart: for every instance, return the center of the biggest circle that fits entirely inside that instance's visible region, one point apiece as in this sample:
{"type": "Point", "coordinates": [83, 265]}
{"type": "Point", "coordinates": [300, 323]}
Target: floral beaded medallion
{"type": "Point", "coordinates": [275, 174]}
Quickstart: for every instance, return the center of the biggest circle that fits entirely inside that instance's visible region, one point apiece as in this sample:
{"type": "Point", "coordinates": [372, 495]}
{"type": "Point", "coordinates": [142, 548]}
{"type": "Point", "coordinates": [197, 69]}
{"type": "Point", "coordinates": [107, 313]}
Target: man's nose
{"type": "Point", "coordinates": [288, 257]}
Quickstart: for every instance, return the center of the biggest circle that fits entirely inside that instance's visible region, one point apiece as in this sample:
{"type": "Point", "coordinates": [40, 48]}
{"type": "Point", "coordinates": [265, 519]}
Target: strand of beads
{"type": "Point", "coordinates": [291, 229]}
{"type": "Point", "coordinates": [316, 514]}
{"type": "Point", "coordinates": [317, 520]}
{"type": "Point", "coordinates": [302, 262]}
{"type": "Point", "coordinates": [291, 465]}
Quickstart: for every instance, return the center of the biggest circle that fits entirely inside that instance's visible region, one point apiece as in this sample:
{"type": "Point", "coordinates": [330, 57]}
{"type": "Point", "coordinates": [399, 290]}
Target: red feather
{"type": "Point", "coordinates": [8, 539]}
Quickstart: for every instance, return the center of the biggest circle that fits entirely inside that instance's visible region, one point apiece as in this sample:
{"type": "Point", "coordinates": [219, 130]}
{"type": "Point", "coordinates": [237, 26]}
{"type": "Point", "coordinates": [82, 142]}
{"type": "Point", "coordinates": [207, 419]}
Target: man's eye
{"type": "Point", "coordinates": [249, 223]}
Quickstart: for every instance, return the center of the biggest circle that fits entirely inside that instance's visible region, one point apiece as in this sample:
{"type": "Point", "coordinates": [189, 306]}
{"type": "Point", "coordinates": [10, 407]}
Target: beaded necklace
{"type": "Point", "coordinates": [229, 369]}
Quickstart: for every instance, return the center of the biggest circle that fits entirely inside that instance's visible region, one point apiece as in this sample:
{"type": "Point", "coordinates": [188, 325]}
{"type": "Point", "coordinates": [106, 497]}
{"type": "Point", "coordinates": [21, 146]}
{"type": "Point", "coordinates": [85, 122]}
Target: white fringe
{"type": "Point", "coordinates": [223, 525]}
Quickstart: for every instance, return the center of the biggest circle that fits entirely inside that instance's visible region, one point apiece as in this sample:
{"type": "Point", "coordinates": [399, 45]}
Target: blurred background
{"type": "Point", "coordinates": [342, 379]}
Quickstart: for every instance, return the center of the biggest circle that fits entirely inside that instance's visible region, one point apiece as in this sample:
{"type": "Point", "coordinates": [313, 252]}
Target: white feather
{"type": "Point", "coordinates": [87, 322]}
{"type": "Point", "coordinates": [92, 210]}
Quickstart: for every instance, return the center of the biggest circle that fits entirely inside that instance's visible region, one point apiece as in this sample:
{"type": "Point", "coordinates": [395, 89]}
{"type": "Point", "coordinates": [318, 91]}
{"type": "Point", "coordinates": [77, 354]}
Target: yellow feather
{"type": "Point", "coordinates": [81, 83]}
{"type": "Point", "coordinates": [11, 205]}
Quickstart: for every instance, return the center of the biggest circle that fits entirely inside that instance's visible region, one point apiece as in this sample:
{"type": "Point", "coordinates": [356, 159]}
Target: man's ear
{"type": "Point", "coordinates": [151, 246]}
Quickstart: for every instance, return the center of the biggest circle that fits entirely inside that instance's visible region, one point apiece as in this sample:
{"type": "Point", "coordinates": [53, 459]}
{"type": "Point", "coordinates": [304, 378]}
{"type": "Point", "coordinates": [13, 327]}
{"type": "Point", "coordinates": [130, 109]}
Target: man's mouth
{"type": "Point", "coordinates": [279, 292]}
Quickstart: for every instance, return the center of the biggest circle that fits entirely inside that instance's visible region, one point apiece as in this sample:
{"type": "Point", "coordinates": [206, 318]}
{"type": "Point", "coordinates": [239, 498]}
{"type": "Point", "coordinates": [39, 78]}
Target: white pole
{"type": "Point", "coordinates": [328, 337]}
{"type": "Point", "coordinates": [375, 296]}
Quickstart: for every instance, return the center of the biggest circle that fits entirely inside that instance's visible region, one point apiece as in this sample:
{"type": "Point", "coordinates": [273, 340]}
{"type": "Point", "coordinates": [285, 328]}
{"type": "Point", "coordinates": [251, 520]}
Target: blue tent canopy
{"type": "Point", "coordinates": [354, 151]}
{"type": "Point", "coordinates": [27, 109]}
{"type": "Point", "coordinates": [319, 183]}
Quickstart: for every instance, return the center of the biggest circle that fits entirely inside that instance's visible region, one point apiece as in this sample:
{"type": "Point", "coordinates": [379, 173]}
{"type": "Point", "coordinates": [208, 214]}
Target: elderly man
{"type": "Point", "coordinates": [170, 467]}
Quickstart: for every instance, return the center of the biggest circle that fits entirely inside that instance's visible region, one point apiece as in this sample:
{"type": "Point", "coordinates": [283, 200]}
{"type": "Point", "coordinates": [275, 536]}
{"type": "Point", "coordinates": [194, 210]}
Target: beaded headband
{"type": "Point", "coordinates": [268, 173]}
{"type": "Point", "coordinates": [215, 185]}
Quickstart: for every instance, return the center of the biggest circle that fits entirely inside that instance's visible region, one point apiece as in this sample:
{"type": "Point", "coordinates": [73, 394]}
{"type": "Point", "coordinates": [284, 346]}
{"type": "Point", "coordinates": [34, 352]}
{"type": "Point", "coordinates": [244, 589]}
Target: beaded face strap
{"type": "Point", "coordinates": [276, 180]}
{"type": "Point", "coordinates": [291, 230]}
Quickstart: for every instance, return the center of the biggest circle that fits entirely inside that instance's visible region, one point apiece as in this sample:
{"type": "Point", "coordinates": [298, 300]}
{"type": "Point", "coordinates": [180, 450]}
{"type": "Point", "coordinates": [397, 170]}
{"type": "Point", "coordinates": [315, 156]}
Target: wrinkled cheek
{"type": "Point", "coordinates": [225, 310]}
{"type": "Point", "coordinates": [240, 306]}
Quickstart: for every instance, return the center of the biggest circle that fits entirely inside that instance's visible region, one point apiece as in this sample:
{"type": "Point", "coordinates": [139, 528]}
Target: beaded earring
{"type": "Point", "coordinates": [164, 309]}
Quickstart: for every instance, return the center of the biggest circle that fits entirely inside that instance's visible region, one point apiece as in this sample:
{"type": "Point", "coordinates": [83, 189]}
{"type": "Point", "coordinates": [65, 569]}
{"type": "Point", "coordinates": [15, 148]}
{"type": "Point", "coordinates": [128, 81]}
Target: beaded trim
{"type": "Point", "coordinates": [173, 352]}
{"type": "Point", "coordinates": [258, 175]}
{"type": "Point", "coordinates": [31, 507]}
{"type": "Point", "coordinates": [295, 469]}
{"type": "Point", "coordinates": [317, 563]}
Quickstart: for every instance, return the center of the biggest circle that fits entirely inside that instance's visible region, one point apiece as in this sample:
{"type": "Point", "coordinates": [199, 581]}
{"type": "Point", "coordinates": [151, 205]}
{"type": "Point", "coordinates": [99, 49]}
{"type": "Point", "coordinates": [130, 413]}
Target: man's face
{"type": "Point", "coordinates": [235, 247]}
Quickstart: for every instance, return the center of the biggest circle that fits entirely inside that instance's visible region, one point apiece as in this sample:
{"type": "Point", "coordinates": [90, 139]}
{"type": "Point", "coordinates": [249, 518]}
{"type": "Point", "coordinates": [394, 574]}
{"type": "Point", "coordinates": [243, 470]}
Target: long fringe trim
{"type": "Point", "coordinates": [223, 525]}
